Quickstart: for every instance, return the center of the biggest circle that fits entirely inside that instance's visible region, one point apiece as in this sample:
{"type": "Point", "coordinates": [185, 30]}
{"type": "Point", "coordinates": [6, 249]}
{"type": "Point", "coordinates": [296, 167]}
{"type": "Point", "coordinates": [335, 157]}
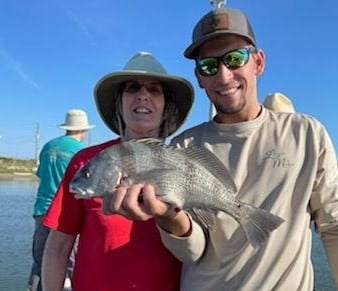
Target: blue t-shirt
{"type": "Point", "coordinates": [53, 161]}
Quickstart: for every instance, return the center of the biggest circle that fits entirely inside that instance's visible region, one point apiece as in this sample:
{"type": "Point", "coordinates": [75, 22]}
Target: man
{"type": "Point", "coordinates": [282, 162]}
{"type": "Point", "coordinates": [53, 160]}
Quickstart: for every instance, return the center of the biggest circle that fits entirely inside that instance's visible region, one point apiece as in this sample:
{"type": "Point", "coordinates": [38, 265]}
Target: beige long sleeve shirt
{"type": "Point", "coordinates": [286, 164]}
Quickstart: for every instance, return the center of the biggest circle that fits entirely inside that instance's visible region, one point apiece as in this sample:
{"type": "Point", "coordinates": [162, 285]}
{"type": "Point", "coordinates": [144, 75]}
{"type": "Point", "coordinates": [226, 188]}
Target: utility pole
{"type": "Point", "coordinates": [37, 137]}
{"type": "Point", "coordinates": [88, 138]}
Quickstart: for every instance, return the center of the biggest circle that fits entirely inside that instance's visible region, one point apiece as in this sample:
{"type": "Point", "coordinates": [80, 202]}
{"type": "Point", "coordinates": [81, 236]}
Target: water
{"type": "Point", "coordinates": [323, 277]}
{"type": "Point", "coordinates": [16, 228]}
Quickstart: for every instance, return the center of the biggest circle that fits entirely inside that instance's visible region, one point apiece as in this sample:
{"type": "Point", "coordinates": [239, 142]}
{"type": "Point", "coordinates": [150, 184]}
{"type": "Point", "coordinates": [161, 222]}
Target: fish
{"type": "Point", "coordinates": [193, 179]}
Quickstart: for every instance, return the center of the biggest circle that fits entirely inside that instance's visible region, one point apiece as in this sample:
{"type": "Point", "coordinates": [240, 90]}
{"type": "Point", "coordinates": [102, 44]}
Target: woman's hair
{"type": "Point", "coordinates": [118, 114]}
{"type": "Point", "coordinates": [170, 113]}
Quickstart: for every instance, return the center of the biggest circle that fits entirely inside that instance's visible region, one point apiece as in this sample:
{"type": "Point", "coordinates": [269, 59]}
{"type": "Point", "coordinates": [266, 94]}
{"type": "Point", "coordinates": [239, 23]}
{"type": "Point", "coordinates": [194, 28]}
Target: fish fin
{"type": "Point", "coordinates": [211, 162]}
{"type": "Point", "coordinates": [205, 217]}
{"type": "Point", "coordinates": [148, 141]}
{"type": "Point", "coordinates": [201, 155]}
{"type": "Point", "coordinates": [258, 223]}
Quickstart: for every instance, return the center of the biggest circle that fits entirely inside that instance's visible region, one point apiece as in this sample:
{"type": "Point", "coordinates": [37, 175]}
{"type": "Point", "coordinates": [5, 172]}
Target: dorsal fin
{"type": "Point", "coordinates": [149, 141]}
{"type": "Point", "coordinates": [211, 162]}
{"type": "Point", "coordinates": [202, 156]}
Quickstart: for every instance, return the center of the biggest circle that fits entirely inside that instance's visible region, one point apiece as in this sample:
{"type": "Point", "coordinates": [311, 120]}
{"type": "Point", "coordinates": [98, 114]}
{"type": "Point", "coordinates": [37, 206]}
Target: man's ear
{"type": "Point", "coordinates": [260, 62]}
{"type": "Point", "coordinates": [198, 77]}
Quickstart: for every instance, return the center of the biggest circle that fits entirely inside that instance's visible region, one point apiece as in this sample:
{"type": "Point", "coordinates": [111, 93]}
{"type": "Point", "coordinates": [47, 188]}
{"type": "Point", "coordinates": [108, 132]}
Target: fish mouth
{"type": "Point", "coordinates": [81, 192]}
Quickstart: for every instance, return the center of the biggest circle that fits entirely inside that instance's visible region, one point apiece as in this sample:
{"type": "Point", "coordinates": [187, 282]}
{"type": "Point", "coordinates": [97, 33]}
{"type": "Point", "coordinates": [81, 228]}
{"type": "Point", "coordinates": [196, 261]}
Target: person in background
{"type": "Point", "coordinates": [278, 102]}
{"type": "Point", "coordinates": [115, 253]}
{"type": "Point", "coordinates": [284, 163]}
{"type": "Point", "coordinates": [53, 160]}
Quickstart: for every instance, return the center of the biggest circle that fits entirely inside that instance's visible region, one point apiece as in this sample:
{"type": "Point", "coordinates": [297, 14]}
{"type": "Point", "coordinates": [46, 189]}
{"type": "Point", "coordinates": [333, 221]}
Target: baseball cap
{"type": "Point", "coordinates": [220, 21]}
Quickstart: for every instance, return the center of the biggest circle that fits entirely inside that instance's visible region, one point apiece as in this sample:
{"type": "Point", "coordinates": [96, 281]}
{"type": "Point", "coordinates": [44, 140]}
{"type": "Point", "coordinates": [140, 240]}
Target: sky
{"type": "Point", "coordinates": [53, 52]}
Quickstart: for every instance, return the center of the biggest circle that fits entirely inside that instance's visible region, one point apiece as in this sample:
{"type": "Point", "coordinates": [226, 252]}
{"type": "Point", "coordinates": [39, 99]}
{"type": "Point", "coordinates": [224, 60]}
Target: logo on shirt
{"type": "Point", "coordinates": [278, 159]}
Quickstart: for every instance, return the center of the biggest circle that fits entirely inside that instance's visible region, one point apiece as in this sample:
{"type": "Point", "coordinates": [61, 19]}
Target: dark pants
{"type": "Point", "coordinates": [39, 240]}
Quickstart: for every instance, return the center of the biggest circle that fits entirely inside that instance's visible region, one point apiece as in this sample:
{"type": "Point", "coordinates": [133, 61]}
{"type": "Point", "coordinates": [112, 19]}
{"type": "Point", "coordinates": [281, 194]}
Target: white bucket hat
{"type": "Point", "coordinates": [143, 64]}
{"type": "Point", "coordinates": [278, 102]}
{"type": "Point", "coordinates": [76, 119]}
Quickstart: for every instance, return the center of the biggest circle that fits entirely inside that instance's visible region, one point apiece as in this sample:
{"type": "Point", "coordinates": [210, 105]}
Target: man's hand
{"type": "Point", "coordinates": [139, 202]}
{"type": "Point", "coordinates": [136, 202]}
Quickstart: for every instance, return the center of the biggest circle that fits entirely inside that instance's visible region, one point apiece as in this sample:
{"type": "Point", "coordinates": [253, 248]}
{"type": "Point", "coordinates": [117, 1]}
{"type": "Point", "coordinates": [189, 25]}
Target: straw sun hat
{"type": "Point", "coordinates": [76, 119]}
{"type": "Point", "coordinates": [278, 102]}
{"type": "Point", "coordinates": [143, 64]}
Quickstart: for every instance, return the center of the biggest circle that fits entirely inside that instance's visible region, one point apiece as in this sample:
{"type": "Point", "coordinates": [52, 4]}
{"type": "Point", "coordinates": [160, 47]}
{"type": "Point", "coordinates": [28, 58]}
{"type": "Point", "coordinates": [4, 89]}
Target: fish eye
{"type": "Point", "coordinates": [86, 174]}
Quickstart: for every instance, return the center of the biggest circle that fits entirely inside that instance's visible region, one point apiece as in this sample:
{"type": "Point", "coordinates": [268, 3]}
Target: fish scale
{"type": "Point", "coordinates": [193, 179]}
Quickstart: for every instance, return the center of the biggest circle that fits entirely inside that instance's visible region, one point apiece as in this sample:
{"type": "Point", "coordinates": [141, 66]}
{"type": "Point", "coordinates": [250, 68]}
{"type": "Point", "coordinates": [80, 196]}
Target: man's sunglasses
{"type": "Point", "coordinates": [233, 60]}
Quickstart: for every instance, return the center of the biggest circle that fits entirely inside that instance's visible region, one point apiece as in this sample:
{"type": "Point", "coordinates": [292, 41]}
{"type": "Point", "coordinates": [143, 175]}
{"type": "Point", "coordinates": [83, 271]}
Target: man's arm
{"type": "Point", "coordinates": [324, 201]}
{"type": "Point", "coordinates": [330, 242]}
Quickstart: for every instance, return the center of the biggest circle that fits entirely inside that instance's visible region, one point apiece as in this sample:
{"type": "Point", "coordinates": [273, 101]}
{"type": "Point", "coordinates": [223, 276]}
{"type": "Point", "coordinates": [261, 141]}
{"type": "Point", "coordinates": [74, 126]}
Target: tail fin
{"type": "Point", "coordinates": [258, 223]}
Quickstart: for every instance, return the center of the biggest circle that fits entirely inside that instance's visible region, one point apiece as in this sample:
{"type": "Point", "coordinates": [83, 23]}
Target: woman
{"type": "Point", "coordinates": [115, 253]}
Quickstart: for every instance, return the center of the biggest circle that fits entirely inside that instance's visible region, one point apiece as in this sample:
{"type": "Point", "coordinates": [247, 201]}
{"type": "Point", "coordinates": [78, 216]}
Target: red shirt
{"type": "Point", "coordinates": [114, 253]}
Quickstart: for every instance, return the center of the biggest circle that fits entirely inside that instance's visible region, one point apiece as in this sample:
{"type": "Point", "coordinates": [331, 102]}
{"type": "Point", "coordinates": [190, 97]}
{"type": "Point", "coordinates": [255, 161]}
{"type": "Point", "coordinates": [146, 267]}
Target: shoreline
{"type": "Point", "coordinates": [19, 175]}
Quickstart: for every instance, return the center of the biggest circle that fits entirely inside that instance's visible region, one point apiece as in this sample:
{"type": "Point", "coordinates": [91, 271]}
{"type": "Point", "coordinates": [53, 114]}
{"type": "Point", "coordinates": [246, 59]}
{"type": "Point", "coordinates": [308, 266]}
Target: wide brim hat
{"type": "Point", "coordinates": [142, 64]}
{"type": "Point", "coordinates": [76, 120]}
{"type": "Point", "coordinates": [278, 102]}
{"type": "Point", "coordinates": [220, 21]}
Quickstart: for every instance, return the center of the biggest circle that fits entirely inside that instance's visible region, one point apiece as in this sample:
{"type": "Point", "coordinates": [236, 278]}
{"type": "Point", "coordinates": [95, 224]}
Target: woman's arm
{"type": "Point", "coordinates": [55, 260]}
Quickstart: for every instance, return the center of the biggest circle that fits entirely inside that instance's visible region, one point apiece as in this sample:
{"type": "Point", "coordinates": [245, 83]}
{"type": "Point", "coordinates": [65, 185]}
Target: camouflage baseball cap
{"type": "Point", "coordinates": [220, 21]}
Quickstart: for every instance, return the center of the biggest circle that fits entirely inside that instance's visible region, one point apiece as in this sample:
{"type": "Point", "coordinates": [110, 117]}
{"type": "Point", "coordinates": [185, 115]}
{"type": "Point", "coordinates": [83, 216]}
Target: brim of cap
{"type": "Point", "coordinates": [75, 128]}
{"type": "Point", "coordinates": [105, 94]}
{"type": "Point", "coordinates": [190, 52]}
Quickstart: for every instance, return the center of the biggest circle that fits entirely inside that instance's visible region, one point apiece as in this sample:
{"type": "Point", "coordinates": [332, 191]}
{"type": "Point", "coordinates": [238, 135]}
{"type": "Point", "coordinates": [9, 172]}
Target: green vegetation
{"type": "Point", "coordinates": [12, 166]}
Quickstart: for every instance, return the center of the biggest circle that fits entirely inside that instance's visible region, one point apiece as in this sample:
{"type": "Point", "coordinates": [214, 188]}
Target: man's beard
{"type": "Point", "coordinates": [222, 109]}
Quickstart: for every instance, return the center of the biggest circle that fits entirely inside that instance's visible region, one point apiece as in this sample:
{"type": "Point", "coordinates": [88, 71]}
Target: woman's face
{"type": "Point", "coordinates": [143, 105]}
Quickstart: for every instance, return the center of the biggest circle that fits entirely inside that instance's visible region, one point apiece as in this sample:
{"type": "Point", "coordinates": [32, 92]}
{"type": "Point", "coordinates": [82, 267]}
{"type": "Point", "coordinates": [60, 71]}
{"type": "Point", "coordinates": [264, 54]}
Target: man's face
{"type": "Point", "coordinates": [233, 91]}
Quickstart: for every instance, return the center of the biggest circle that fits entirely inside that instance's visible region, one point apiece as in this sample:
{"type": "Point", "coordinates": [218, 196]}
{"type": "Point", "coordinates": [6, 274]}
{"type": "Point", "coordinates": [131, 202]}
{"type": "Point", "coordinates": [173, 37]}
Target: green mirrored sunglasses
{"type": "Point", "coordinates": [234, 59]}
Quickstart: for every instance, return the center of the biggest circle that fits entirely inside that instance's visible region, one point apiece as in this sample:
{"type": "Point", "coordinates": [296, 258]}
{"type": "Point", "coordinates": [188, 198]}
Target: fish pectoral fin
{"type": "Point", "coordinates": [205, 217]}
